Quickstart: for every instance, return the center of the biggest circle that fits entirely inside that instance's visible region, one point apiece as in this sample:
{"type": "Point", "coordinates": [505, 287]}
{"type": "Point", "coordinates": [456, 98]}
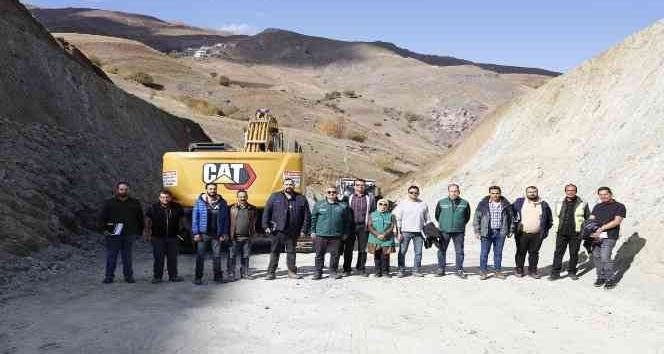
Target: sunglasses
{"type": "Point", "coordinates": [331, 192]}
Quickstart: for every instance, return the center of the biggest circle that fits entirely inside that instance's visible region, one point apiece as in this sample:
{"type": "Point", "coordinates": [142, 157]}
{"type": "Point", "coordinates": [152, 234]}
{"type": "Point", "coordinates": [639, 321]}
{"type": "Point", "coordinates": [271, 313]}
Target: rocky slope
{"type": "Point", "coordinates": [600, 124]}
{"type": "Point", "coordinates": [67, 134]}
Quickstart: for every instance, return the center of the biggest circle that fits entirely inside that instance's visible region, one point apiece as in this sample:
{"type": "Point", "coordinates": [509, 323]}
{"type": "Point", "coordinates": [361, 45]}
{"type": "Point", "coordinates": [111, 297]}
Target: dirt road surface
{"type": "Point", "coordinates": [75, 313]}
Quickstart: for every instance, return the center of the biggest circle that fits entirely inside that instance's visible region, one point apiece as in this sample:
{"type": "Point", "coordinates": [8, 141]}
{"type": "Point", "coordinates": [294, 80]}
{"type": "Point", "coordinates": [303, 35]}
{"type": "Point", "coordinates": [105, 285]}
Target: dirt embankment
{"type": "Point", "coordinates": [67, 135]}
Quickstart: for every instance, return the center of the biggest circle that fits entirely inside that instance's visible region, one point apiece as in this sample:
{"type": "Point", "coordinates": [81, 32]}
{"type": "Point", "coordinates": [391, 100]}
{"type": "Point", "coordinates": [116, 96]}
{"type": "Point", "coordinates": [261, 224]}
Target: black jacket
{"type": "Point", "coordinates": [275, 215]}
{"type": "Point", "coordinates": [546, 221]}
{"type": "Point", "coordinates": [129, 212]}
{"type": "Point", "coordinates": [165, 221]}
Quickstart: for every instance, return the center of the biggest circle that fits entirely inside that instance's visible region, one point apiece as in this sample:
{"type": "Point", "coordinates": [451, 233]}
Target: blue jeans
{"type": "Point", "coordinates": [602, 258]}
{"type": "Point", "coordinates": [119, 244]}
{"type": "Point", "coordinates": [217, 253]}
{"type": "Point", "coordinates": [457, 238]}
{"type": "Point", "coordinates": [418, 243]}
{"type": "Point", "coordinates": [494, 238]}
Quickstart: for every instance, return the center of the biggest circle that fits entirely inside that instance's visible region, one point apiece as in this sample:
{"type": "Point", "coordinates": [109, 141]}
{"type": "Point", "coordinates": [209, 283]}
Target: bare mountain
{"type": "Point", "coordinates": [67, 134]}
{"type": "Point", "coordinates": [152, 31]}
{"type": "Point", "coordinates": [271, 46]}
{"type": "Point", "coordinates": [600, 124]}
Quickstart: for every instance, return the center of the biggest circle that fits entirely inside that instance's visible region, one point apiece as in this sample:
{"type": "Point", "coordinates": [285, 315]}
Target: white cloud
{"type": "Point", "coordinates": [241, 28]}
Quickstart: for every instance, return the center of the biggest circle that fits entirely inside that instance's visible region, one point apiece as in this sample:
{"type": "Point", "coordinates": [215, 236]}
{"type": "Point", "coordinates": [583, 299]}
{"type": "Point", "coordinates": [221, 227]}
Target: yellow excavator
{"type": "Point", "coordinates": [259, 168]}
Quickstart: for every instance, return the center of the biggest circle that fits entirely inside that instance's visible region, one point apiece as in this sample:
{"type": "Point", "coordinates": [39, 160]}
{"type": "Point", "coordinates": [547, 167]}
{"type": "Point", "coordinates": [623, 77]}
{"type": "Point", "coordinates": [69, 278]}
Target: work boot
{"type": "Point", "coordinates": [198, 281]}
{"type": "Point", "coordinates": [293, 275]}
{"type": "Point", "coordinates": [270, 276]}
{"type": "Point", "coordinates": [317, 276]}
{"type": "Point", "coordinates": [460, 273]}
{"type": "Point", "coordinates": [599, 282]}
{"type": "Point", "coordinates": [554, 276]}
{"type": "Point", "coordinates": [440, 272]}
{"type": "Point", "coordinates": [534, 275]}
{"type": "Point", "coordinates": [610, 284]}
{"type": "Point", "coordinates": [519, 272]}
{"type": "Point", "coordinates": [500, 275]}
{"type": "Point", "coordinates": [107, 280]}
{"type": "Point", "coordinates": [483, 276]}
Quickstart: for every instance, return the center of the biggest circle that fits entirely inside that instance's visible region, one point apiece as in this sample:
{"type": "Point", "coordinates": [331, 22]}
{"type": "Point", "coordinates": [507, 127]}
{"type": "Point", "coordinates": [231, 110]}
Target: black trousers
{"type": "Point", "coordinates": [527, 244]}
{"type": "Point", "coordinates": [279, 241]}
{"type": "Point", "coordinates": [329, 245]}
{"type": "Point", "coordinates": [165, 248]}
{"type": "Point", "coordinates": [381, 262]}
{"type": "Point", "coordinates": [361, 235]}
{"type": "Point", "coordinates": [563, 242]}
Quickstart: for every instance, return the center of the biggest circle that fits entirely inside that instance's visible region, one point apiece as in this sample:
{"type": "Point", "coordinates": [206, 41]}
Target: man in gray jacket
{"type": "Point", "coordinates": [492, 223]}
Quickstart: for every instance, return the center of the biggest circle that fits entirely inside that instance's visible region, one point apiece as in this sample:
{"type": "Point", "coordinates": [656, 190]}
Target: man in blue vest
{"type": "Point", "coordinates": [452, 213]}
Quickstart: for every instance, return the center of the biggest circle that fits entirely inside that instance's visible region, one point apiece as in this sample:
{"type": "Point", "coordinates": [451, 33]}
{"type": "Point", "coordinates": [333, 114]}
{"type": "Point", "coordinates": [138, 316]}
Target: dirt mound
{"type": "Point", "coordinates": [66, 134]}
{"type": "Point", "coordinates": [600, 124]}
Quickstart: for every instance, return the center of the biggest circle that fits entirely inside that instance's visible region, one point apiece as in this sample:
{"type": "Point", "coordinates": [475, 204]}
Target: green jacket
{"type": "Point", "coordinates": [382, 223]}
{"type": "Point", "coordinates": [452, 218]}
{"type": "Point", "coordinates": [331, 219]}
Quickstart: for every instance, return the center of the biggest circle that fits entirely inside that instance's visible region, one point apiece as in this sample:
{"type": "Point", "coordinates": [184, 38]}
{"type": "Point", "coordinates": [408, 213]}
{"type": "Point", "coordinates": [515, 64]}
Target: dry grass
{"type": "Point", "coordinates": [360, 137]}
{"type": "Point", "coordinates": [200, 106]}
{"type": "Point", "coordinates": [332, 127]}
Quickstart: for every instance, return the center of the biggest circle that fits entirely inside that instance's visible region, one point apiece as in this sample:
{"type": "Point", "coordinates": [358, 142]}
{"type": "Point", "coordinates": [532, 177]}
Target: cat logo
{"type": "Point", "coordinates": [234, 176]}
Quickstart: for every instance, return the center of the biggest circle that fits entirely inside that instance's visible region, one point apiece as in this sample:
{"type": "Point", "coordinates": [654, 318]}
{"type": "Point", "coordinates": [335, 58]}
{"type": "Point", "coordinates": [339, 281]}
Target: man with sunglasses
{"type": "Point", "coordinates": [286, 216]}
{"type": "Point", "coordinates": [361, 205]}
{"type": "Point", "coordinates": [411, 215]}
{"type": "Point", "coordinates": [331, 223]}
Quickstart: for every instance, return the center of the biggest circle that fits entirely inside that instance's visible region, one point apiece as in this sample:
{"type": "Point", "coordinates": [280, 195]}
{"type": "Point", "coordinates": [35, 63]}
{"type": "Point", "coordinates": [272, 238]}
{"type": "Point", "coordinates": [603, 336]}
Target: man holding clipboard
{"type": "Point", "coordinates": [121, 221]}
{"type": "Point", "coordinates": [609, 213]}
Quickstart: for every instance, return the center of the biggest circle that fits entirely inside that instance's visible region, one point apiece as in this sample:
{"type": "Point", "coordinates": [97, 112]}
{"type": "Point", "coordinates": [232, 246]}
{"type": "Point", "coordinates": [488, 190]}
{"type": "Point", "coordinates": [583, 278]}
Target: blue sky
{"type": "Point", "coordinates": [555, 35]}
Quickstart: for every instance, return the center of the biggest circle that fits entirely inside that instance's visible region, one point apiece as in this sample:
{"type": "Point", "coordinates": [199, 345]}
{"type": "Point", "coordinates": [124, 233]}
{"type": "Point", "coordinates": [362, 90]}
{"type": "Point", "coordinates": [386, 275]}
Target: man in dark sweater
{"type": "Point", "coordinates": [361, 205]}
{"type": "Point", "coordinates": [568, 217]}
{"type": "Point", "coordinates": [162, 226]}
{"type": "Point", "coordinates": [121, 221]}
{"type": "Point", "coordinates": [610, 214]}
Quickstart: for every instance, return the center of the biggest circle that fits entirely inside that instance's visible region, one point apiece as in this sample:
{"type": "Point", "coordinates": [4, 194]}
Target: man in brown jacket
{"type": "Point", "coordinates": [242, 229]}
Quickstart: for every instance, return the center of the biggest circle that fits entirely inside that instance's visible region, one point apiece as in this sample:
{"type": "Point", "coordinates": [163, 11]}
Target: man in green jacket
{"type": "Point", "coordinates": [330, 223]}
{"type": "Point", "coordinates": [452, 213]}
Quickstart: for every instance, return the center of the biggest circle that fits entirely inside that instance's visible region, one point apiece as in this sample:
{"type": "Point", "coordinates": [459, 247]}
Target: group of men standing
{"type": "Point", "coordinates": [337, 225]}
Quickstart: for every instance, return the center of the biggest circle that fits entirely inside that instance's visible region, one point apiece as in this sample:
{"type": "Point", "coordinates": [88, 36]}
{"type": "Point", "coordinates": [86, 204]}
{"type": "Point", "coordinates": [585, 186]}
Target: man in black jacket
{"type": "Point", "coordinates": [286, 216]}
{"type": "Point", "coordinates": [532, 221]}
{"type": "Point", "coordinates": [121, 221]}
{"type": "Point", "coordinates": [162, 226]}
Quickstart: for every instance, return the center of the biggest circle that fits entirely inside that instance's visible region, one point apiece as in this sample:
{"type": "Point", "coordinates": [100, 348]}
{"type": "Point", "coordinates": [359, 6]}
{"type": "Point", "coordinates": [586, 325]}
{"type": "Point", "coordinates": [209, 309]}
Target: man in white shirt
{"type": "Point", "coordinates": [411, 214]}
